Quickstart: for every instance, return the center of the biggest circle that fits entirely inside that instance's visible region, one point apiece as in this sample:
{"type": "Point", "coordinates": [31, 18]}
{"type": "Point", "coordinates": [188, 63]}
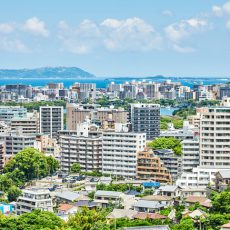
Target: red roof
{"type": "Point", "coordinates": [143, 215]}
{"type": "Point", "coordinates": [65, 207]}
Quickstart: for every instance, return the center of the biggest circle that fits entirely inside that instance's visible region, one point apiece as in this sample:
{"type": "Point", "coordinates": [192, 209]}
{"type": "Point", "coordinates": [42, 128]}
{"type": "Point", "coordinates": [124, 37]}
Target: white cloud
{"type": "Point", "coordinates": [36, 27]}
{"type": "Point", "coordinates": [6, 28]}
{"type": "Point", "coordinates": [131, 35]}
{"type": "Point", "coordinates": [221, 10]}
{"type": "Point", "coordinates": [228, 24]}
{"type": "Point", "coordinates": [226, 7]}
{"type": "Point", "coordinates": [79, 40]}
{"type": "Point", "coordinates": [12, 45]}
{"type": "Point", "coordinates": [178, 31]}
{"type": "Point", "coordinates": [167, 13]}
{"type": "Point", "coordinates": [181, 49]}
{"type": "Point", "coordinates": [217, 10]}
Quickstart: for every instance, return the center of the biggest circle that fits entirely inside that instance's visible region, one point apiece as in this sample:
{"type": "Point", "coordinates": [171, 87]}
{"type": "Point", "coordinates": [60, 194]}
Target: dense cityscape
{"type": "Point", "coordinates": [133, 154]}
{"type": "Point", "coordinates": [115, 115]}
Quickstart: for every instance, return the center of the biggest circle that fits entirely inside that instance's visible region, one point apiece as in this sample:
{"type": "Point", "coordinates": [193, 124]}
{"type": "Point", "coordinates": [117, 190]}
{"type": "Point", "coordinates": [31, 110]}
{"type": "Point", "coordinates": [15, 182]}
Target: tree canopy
{"type": "Point", "coordinates": [167, 143]}
{"type": "Point", "coordinates": [30, 164]}
{"type": "Point", "coordinates": [35, 220]}
{"type": "Point", "coordinates": [75, 168]}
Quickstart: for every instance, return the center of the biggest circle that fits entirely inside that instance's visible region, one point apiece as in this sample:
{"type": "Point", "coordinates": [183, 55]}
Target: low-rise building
{"type": "Point", "coordinates": [203, 201]}
{"type": "Point", "coordinates": [193, 191]}
{"type": "Point", "coordinates": [34, 199]}
{"type": "Point", "coordinates": [170, 191]}
{"type": "Point", "coordinates": [104, 197]}
{"type": "Point", "coordinates": [148, 206]}
{"type": "Point", "coordinates": [222, 179]}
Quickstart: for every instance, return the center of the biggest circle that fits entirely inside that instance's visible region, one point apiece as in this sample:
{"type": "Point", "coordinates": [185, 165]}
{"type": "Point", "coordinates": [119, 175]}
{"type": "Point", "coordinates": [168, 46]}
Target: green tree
{"type": "Point", "coordinates": [221, 202]}
{"type": "Point", "coordinates": [185, 224]}
{"type": "Point", "coordinates": [5, 183]}
{"type": "Point", "coordinates": [214, 221]}
{"type": "Point", "coordinates": [75, 168]}
{"type": "Point", "coordinates": [167, 143]}
{"type": "Point", "coordinates": [35, 220]}
{"type": "Point", "coordinates": [30, 164]}
{"type": "Point", "coordinates": [86, 219]}
{"type": "Point", "coordinates": [13, 193]}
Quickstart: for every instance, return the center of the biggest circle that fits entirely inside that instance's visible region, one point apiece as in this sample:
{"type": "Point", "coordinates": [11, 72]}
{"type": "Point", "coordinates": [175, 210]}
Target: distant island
{"type": "Point", "coordinates": [46, 72]}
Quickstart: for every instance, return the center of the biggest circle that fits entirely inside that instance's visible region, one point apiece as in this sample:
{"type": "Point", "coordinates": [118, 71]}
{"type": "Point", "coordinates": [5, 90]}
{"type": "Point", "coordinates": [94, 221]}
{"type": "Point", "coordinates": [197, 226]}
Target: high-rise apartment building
{"type": "Point", "coordinates": [76, 114]}
{"type": "Point", "coordinates": [152, 90]}
{"type": "Point", "coordinates": [85, 90]}
{"type": "Point", "coordinates": [87, 151]}
{"type": "Point", "coordinates": [119, 151]}
{"type": "Point", "coordinates": [2, 154]}
{"type": "Point", "coordinates": [150, 167]}
{"type": "Point", "coordinates": [215, 136]}
{"type": "Point", "coordinates": [83, 147]}
{"type": "Point", "coordinates": [171, 161]}
{"type": "Point", "coordinates": [191, 154]}
{"type": "Point", "coordinates": [7, 113]}
{"type": "Point", "coordinates": [51, 120]}
{"type": "Point", "coordinates": [21, 90]}
{"type": "Point", "coordinates": [28, 125]}
{"type": "Point", "coordinates": [145, 118]}
{"type": "Point", "coordinates": [16, 142]}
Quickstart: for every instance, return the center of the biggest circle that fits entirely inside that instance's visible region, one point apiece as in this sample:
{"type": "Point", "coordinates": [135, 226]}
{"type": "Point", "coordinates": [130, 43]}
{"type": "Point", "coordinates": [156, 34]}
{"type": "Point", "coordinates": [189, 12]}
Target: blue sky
{"type": "Point", "coordinates": [118, 37]}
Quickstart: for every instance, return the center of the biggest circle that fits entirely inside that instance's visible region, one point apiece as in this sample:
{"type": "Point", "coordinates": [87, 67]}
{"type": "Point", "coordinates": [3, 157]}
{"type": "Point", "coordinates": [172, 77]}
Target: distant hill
{"type": "Point", "coordinates": [46, 72]}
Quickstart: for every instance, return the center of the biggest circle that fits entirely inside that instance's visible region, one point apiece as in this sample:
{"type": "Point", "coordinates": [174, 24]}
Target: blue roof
{"type": "Point", "coordinates": [85, 203]}
{"type": "Point", "coordinates": [151, 184]}
{"type": "Point", "coordinates": [132, 192]}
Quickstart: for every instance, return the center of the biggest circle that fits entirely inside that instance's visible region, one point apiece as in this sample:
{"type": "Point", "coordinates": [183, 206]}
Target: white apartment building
{"type": "Point", "coordinates": [199, 177]}
{"type": "Point", "coordinates": [34, 199]}
{"type": "Point", "coordinates": [187, 132]}
{"type": "Point", "coordinates": [215, 137]}
{"type": "Point", "coordinates": [214, 146]}
{"type": "Point", "coordinates": [119, 151]}
{"type": "Point", "coordinates": [191, 155]}
{"type": "Point", "coordinates": [51, 119]}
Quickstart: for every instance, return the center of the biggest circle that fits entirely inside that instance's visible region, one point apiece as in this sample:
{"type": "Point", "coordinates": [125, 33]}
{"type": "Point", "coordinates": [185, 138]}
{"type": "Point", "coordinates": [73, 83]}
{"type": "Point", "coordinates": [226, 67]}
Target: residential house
{"type": "Point", "coordinates": [148, 206]}
{"type": "Point", "coordinates": [170, 190]}
{"type": "Point", "coordinates": [203, 201]}
{"type": "Point", "coordinates": [222, 179]}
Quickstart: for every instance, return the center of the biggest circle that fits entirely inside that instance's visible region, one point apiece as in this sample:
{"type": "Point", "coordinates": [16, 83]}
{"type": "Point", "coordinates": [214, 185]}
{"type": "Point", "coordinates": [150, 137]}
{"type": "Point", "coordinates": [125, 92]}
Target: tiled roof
{"type": "Point", "coordinates": [201, 200]}
{"type": "Point", "coordinates": [143, 215]}
{"type": "Point", "coordinates": [65, 207]}
{"type": "Point", "coordinates": [156, 198]}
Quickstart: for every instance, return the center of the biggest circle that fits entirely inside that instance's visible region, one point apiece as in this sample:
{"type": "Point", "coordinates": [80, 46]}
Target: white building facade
{"type": "Point", "coordinates": [119, 152]}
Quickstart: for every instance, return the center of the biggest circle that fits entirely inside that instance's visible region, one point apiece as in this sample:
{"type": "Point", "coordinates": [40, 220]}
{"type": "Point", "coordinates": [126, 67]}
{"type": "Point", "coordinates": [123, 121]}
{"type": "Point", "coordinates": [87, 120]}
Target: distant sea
{"type": "Point", "coordinates": [103, 82]}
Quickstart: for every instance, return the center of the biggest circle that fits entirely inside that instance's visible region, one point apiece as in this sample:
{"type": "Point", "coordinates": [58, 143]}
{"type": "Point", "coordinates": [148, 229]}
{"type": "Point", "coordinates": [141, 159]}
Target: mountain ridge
{"type": "Point", "coordinates": [46, 72]}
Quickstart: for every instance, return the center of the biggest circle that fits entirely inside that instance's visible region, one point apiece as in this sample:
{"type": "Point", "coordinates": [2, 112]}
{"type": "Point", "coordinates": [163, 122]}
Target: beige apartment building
{"type": "Point", "coordinates": [150, 167]}
{"type": "Point", "coordinates": [76, 114]}
{"type": "Point", "coordinates": [28, 125]}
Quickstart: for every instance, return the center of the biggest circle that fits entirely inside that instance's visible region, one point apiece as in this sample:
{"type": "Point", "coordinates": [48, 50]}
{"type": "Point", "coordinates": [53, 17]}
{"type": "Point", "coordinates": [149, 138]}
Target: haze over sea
{"type": "Point", "coordinates": [103, 82]}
